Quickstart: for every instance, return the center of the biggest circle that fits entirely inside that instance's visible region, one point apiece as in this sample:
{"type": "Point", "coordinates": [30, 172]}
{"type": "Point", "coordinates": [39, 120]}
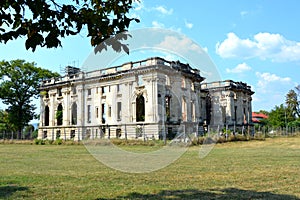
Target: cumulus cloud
{"type": "Point", "coordinates": [240, 68]}
{"type": "Point", "coordinates": [163, 10]}
{"type": "Point", "coordinates": [157, 24]}
{"type": "Point", "coordinates": [263, 45]}
{"type": "Point", "coordinates": [267, 79]}
{"type": "Point", "coordinates": [188, 24]}
{"type": "Point", "coordinates": [183, 44]}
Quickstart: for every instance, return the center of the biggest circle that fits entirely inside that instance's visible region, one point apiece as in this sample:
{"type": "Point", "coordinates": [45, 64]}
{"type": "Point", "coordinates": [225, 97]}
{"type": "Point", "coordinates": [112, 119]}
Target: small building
{"type": "Point", "coordinates": [257, 117]}
{"type": "Point", "coordinates": [152, 98]}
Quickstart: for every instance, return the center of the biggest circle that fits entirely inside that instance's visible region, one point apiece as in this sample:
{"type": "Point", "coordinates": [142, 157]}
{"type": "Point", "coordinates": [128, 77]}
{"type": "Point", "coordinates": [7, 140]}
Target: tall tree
{"type": "Point", "coordinates": [292, 104]}
{"type": "Point", "coordinates": [19, 84]}
{"type": "Point", "coordinates": [44, 23]}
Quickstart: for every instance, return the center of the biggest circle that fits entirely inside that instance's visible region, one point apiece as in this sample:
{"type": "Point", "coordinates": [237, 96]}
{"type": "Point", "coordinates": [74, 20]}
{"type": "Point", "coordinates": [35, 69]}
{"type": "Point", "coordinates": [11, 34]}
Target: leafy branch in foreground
{"type": "Point", "coordinates": [44, 23]}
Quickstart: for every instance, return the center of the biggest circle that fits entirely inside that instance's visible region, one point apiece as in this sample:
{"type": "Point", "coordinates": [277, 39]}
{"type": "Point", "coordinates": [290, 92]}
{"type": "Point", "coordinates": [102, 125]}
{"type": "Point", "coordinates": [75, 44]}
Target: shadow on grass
{"type": "Point", "coordinates": [8, 190]}
{"type": "Point", "coordinates": [228, 193]}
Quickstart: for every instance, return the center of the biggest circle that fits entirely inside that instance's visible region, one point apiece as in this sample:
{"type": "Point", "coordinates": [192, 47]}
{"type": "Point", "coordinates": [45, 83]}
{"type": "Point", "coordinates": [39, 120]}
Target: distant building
{"type": "Point", "coordinates": [257, 117]}
{"type": "Point", "coordinates": [151, 98]}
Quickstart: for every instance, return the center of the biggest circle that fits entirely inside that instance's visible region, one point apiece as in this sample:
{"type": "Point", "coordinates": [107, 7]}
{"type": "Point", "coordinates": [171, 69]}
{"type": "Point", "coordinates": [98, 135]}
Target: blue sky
{"type": "Point", "coordinates": [257, 41]}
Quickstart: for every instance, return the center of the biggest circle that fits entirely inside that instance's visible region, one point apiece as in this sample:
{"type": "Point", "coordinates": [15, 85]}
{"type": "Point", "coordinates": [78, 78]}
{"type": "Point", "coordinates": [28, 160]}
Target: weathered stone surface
{"type": "Point", "coordinates": [148, 99]}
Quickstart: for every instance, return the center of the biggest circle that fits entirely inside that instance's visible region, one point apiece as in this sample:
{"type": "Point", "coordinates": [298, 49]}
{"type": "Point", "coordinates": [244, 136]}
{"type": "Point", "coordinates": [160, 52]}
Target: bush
{"type": "Point", "coordinates": [58, 141]}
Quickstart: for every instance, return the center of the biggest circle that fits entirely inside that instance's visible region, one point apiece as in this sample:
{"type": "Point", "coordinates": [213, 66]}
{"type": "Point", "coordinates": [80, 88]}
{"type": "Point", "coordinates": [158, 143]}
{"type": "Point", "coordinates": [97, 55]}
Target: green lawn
{"type": "Point", "coordinates": [238, 170]}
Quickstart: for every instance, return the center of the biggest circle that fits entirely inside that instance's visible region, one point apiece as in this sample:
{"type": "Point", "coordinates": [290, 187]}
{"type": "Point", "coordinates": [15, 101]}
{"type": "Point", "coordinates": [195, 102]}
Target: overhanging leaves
{"type": "Point", "coordinates": [45, 23]}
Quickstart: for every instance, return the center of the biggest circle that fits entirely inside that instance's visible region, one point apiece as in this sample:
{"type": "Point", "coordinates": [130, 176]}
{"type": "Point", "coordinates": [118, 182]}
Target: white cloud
{"type": "Point", "coordinates": [266, 80]}
{"type": "Point", "coordinates": [240, 68]}
{"type": "Point", "coordinates": [163, 10]}
{"type": "Point", "coordinates": [205, 49]}
{"type": "Point", "coordinates": [183, 44]}
{"type": "Point", "coordinates": [188, 24]}
{"type": "Point", "coordinates": [157, 24]}
{"type": "Point", "coordinates": [263, 46]}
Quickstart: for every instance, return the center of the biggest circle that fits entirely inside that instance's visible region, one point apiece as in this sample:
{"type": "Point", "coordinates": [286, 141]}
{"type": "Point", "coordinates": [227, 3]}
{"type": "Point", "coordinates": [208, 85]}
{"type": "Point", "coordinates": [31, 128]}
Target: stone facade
{"type": "Point", "coordinates": [152, 98]}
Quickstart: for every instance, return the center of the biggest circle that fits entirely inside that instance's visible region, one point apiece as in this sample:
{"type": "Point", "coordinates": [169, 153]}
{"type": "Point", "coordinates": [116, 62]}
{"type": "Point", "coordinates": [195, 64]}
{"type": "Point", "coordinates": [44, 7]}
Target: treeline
{"type": "Point", "coordinates": [286, 116]}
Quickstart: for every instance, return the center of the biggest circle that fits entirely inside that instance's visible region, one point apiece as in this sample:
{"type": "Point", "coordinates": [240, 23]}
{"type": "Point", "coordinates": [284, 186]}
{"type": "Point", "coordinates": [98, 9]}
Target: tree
{"type": "Point", "coordinates": [277, 116]}
{"type": "Point", "coordinates": [44, 23]}
{"type": "Point", "coordinates": [19, 84]}
{"type": "Point", "coordinates": [292, 104]}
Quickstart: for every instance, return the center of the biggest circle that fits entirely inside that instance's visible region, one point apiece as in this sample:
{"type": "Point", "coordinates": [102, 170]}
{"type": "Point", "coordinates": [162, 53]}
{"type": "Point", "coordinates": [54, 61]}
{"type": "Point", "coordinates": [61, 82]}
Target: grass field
{"type": "Point", "coordinates": [238, 170]}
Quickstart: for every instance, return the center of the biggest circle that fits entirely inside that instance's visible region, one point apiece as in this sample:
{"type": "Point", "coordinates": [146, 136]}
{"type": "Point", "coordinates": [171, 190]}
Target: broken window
{"type": "Point", "coordinates": [89, 114]}
{"type": "Point", "coordinates": [59, 115]}
{"type": "Point", "coordinates": [140, 108]}
{"type": "Point", "coordinates": [119, 111]}
{"type": "Point", "coordinates": [74, 114]}
{"type": "Point", "coordinates": [103, 111]}
{"type": "Point", "coordinates": [46, 122]}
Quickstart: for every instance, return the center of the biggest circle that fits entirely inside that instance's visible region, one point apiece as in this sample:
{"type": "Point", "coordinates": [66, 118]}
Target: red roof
{"type": "Point", "coordinates": [256, 117]}
{"type": "Point", "coordinates": [259, 115]}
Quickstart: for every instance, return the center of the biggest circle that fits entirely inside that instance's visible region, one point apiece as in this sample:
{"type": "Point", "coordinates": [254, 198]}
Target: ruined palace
{"type": "Point", "coordinates": [152, 98]}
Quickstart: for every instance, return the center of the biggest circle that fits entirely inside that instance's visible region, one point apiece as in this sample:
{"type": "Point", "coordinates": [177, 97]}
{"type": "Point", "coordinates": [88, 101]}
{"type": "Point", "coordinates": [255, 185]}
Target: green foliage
{"type": "Point", "coordinates": [44, 23]}
{"type": "Point", "coordinates": [277, 117]}
{"type": "Point", "coordinates": [19, 85]}
{"type": "Point", "coordinates": [39, 141]}
{"type": "Point", "coordinates": [292, 105]}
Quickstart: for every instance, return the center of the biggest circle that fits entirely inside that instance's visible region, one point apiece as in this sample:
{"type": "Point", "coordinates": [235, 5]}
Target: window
{"type": "Point", "coordinates": [74, 114]}
{"type": "Point", "coordinates": [118, 88]}
{"type": "Point", "coordinates": [97, 90]}
{"type": "Point", "coordinates": [59, 115]}
{"type": "Point", "coordinates": [89, 114]}
{"type": "Point", "coordinates": [119, 111]}
{"type": "Point", "coordinates": [74, 90]}
{"type": "Point", "coordinates": [97, 112]}
{"type": "Point", "coordinates": [118, 133]}
{"type": "Point", "coordinates": [72, 135]}
{"type": "Point", "coordinates": [140, 108]}
{"type": "Point", "coordinates": [46, 122]}
{"type": "Point", "coordinates": [183, 108]}
{"type": "Point", "coordinates": [89, 92]}
{"type": "Point", "coordinates": [167, 107]}
{"type": "Point", "coordinates": [103, 90]}
{"type": "Point", "coordinates": [57, 134]}
{"type": "Point", "coordinates": [59, 92]}
{"type": "Point", "coordinates": [193, 113]}
{"type": "Point", "coordinates": [103, 111]}
{"type": "Point", "coordinates": [109, 111]}
{"type": "Point", "coordinates": [109, 88]}
{"type": "Point", "coordinates": [45, 134]}
{"type": "Point", "coordinates": [235, 114]}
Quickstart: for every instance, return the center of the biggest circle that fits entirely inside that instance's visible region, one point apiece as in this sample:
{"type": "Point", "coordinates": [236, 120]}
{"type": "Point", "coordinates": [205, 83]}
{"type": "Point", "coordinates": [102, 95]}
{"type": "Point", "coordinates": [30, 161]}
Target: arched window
{"type": "Point", "coordinates": [59, 115]}
{"type": "Point", "coordinates": [46, 119]}
{"type": "Point", "coordinates": [74, 114]}
{"type": "Point", "coordinates": [140, 108]}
